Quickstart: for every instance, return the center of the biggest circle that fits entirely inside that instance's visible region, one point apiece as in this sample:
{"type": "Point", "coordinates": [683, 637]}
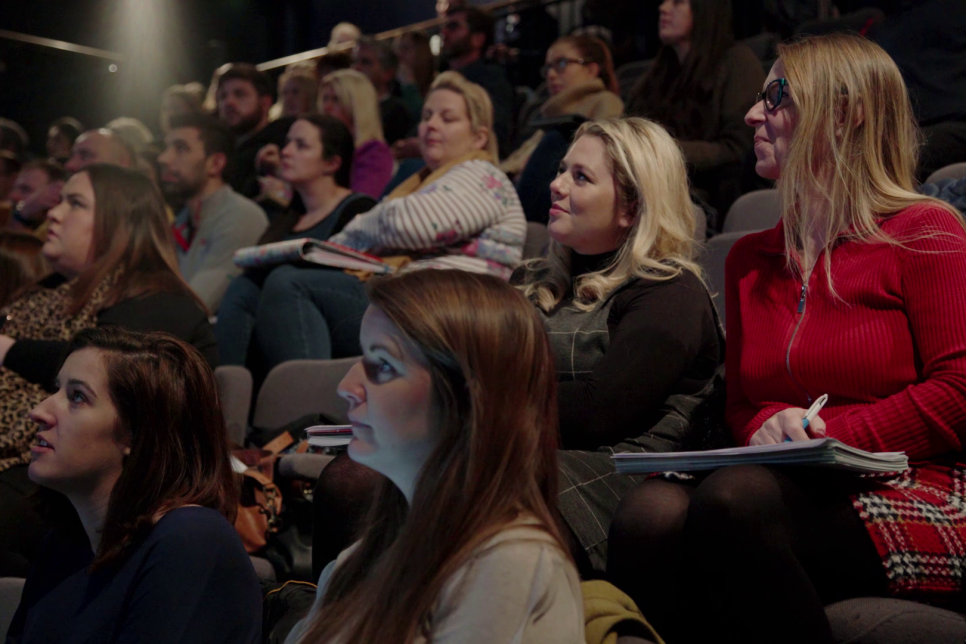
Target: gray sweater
{"type": "Point", "coordinates": [227, 222]}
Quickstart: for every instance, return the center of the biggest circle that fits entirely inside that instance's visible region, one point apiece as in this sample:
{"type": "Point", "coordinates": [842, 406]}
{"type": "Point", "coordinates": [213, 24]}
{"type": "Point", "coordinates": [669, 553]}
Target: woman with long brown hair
{"type": "Point", "coordinates": [134, 440]}
{"type": "Point", "coordinates": [699, 87]}
{"type": "Point", "coordinates": [112, 253]}
{"type": "Point", "coordinates": [454, 402]}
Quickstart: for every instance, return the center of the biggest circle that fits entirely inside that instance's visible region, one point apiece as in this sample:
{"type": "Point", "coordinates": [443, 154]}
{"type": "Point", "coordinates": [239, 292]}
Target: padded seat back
{"type": "Point", "coordinates": [235, 394]}
{"type": "Point", "coordinates": [10, 590]}
{"type": "Point", "coordinates": [952, 171]}
{"type": "Point", "coordinates": [300, 387]}
{"type": "Point", "coordinates": [712, 260]}
{"type": "Point", "coordinates": [757, 210]}
{"type": "Point", "coordinates": [629, 74]}
{"type": "Point", "coordinates": [537, 240]}
{"type": "Point", "coordinates": [879, 620]}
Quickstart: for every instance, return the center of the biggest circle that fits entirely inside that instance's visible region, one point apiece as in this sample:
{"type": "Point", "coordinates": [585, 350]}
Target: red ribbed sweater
{"type": "Point", "coordinates": [892, 356]}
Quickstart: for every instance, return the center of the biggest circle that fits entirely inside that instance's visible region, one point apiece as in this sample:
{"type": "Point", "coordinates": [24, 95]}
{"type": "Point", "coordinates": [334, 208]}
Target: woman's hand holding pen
{"type": "Point", "coordinates": [788, 424]}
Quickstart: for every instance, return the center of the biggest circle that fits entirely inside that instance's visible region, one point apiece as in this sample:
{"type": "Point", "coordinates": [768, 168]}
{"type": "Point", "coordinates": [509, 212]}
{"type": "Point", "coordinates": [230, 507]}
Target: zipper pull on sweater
{"type": "Point", "coordinates": [801, 301]}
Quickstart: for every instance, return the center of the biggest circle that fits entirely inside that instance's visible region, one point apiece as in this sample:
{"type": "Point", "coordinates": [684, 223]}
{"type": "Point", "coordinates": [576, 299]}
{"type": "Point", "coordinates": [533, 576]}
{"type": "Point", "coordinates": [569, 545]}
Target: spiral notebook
{"type": "Point", "coordinates": [309, 250]}
{"type": "Point", "coordinates": [819, 452]}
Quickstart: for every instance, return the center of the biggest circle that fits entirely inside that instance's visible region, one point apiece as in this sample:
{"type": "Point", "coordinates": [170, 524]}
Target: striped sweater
{"type": "Point", "coordinates": [468, 219]}
{"type": "Point", "coordinates": [891, 353]}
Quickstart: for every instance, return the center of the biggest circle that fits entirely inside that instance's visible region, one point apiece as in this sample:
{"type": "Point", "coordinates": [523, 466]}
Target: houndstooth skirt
{"type": "Point", "coordinates": [917, 521]}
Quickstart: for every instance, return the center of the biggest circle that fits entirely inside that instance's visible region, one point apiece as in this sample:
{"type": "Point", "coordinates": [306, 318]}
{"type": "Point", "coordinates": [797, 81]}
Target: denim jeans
{"type": "Point", "coordinates": [293, 313]}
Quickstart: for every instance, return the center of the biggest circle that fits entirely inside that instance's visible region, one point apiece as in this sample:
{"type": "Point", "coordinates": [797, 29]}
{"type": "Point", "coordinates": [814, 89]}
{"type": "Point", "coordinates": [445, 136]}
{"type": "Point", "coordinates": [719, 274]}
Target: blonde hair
{"type": "Point", "coordinates": [356, 93]}
{"type": "Point", "coordinates": [855, 144]}
{"type": "Point", "coordinates": [651, 181]}
{"type": "Point", "coordinates": [479, 108]}
{"type": "Point", "coordinates": [344, 33]}
{"type": "Point", "coordinates": [304, 75]}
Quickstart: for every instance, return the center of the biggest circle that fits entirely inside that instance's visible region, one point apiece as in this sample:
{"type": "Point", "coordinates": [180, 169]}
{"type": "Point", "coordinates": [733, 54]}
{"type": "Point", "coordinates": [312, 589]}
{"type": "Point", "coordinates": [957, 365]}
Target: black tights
{"type": "Point", "coordinates": [750, 554]}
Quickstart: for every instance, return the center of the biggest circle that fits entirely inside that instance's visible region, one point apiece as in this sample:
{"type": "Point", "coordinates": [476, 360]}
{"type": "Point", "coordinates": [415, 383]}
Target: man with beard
{"type": "Point", "coordinates": [244, 99]}
{"type": "Point", "coordinates": [467, 34]}
{"type": "Point", "coordinates": [215, 221]}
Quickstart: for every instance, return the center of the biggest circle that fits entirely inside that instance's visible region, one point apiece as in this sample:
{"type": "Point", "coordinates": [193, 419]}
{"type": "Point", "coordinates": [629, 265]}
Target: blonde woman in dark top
{"type": "Point", "coordinates": [630, 320]}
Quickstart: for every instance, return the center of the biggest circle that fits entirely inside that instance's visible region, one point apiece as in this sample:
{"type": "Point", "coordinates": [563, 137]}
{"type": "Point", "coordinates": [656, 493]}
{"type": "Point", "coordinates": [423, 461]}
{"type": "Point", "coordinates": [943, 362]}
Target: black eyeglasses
{"type": "Point", "coordinates": [560, 65]}
{"type": "Point", "coordinates": [774, 94]}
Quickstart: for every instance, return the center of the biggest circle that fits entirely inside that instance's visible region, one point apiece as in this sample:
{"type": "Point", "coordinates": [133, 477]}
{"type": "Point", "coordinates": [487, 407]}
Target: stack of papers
{"type": "Point", "coordinates": [819, 452]}
{"type": "Point", "coordinates": [329, 435]}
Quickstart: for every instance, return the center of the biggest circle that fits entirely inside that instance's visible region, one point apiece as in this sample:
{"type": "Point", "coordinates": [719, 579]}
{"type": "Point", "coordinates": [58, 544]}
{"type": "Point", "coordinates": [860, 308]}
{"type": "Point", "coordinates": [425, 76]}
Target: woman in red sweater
{"type": "Point", "coordinates": [860, 293]}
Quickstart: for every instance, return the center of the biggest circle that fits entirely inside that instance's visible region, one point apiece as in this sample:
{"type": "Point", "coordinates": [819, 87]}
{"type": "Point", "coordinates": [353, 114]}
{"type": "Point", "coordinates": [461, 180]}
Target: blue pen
{"type": "Point", "coordinates": [811, 413]}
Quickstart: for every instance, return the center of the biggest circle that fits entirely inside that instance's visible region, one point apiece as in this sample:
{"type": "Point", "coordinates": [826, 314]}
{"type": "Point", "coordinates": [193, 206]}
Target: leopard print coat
{"type": "Point", "coordinates": [39, 314]}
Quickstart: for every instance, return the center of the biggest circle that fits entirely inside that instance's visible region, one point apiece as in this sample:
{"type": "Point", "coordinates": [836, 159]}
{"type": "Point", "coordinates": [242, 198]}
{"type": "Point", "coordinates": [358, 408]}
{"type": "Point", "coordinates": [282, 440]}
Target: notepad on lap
{"type": "Point", "coordinates": [309, 250]}
{"type": "Point", "coordinates": [819, 452]}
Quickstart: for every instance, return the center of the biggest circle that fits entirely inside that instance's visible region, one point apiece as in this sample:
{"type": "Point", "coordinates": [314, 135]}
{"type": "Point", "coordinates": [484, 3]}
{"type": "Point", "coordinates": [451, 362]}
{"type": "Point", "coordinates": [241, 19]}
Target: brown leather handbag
{"type": "Point", "coordinates": [260, 503]}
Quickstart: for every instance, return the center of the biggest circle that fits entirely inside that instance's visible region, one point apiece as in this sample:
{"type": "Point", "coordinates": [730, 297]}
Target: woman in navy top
{"type": "Point", "coordinates": [133, 438]}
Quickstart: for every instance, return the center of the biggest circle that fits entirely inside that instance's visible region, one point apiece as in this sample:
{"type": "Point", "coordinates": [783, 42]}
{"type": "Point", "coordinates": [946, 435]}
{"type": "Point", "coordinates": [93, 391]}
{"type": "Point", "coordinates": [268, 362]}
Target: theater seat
{"type": "Point", "coordinates": [263, 568]}
{"type": "Point", "coordinates": [712, 260]}
{"type": "Point", "coordinates": [297, 388]}
{"type": "Point", "coordinates": [756, 210]}
{"type": "Point", "coordinates": [876, 620]}
{"type": "Point", "coordinates": [10, 590]}
{"type": "Point", "coordinates": [537, 240]}
{"type": "Point", "coordinates": [629, 75]}
{"type": "Point", "coordinates": [235, 394]}
{"type": "Point", "coordinates": [701, 219]}
{"type": "Point", "coordinates": [952, 171]}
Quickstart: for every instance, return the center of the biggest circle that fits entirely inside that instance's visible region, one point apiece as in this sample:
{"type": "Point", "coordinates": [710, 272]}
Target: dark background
{"type": "Point", "coordinates": [177, 41]}
{"type": "Point", "coordinates": [164, 42]}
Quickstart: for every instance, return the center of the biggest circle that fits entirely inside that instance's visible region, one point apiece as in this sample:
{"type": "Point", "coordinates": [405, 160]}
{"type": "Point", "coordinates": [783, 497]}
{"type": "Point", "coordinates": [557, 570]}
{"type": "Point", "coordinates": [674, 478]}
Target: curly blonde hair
{"type": "Point", "coordinates": [651, 181]}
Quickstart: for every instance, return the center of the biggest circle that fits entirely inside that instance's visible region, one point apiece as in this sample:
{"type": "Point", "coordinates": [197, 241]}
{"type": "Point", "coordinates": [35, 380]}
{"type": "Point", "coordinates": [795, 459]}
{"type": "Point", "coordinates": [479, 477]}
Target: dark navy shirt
{"type": "Point", "coordinates": [190, 580]}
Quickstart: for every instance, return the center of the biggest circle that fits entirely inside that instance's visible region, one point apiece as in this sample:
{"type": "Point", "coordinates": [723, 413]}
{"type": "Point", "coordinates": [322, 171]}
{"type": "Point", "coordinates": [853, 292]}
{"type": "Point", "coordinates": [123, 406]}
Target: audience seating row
{"type": "Point", "coordinates": [952, 171]}
{"type": "Point", "coordinates": [10, 590]}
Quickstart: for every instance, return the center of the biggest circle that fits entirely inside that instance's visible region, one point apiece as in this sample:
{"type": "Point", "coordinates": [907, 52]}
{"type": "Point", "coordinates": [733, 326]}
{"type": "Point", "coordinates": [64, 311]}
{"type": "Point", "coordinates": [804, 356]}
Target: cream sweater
{"type": "Point", "coordinates": [517, 588]}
